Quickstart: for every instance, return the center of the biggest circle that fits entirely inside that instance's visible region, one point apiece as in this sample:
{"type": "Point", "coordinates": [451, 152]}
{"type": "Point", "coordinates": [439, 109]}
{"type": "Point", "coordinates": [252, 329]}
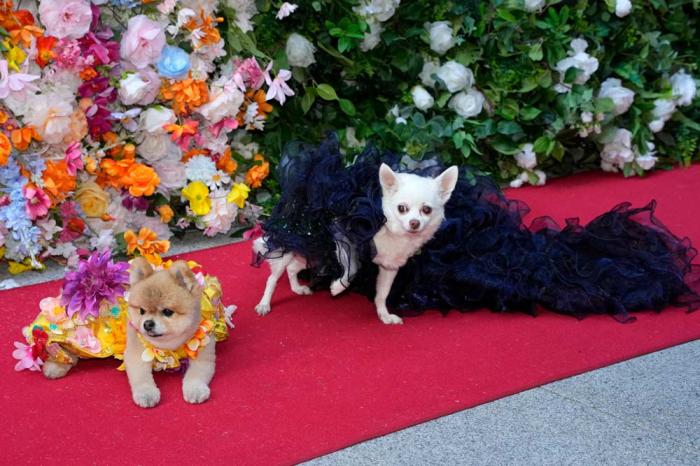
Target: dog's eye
{"type": "Point", "coordinates": [142, 311]}
{"type": "Point", "coordinates": [427, 210]}
{"type": "Point", "coordinates": [167, 312]}
{"type": "Point", "coordinates": [403, 208]}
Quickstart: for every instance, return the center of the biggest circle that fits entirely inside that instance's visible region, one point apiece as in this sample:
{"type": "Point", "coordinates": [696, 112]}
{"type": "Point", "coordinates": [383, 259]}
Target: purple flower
{"type": "Point", "coordinates": [97, 278]}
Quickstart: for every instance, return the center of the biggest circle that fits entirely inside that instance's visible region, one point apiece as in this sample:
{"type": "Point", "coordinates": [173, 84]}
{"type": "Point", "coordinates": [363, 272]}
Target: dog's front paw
{"type": "Point", "coordinates": [262, 309]}
{"type": "Point", "coordinates": [337, 287]}
{"type": "Point", "coordinates": [146, 396]}
{"type": "Point", "coordinates": [55, 370]}
{"type": "Point", "coordinates": [195, 392]}
{"type": "Point", "coordinates": [390, 319]}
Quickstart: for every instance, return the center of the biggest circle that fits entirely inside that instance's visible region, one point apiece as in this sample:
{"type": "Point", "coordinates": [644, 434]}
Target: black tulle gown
{"type": "Point", "coordinates": [483, 255]}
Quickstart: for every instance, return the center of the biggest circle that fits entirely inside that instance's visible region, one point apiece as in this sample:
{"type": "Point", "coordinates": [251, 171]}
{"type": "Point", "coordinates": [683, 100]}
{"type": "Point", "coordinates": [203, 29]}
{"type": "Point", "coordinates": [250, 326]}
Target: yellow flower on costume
{"type": "Point", "coordinates": [197, 194]}
{"type": "Point", "coordinates": [238, 195]}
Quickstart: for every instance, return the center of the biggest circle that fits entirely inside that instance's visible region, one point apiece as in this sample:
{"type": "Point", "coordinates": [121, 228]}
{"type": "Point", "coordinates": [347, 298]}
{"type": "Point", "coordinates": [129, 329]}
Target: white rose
{"type": "Point", "coordinates": [422, 98]}
{"type": "Point", "coordinates": [172, 175]}
{"type": "Point", "coordinates": [300, 52]}
{"type": "Point", "coordinates": [430, 68]}
{"type": "Point", "coordinates": [534, 5]}
{"type": "Point", "coordinates": [223, 103]}
{"type": "Point", "coordinates": [663, 110]}
{"type": "Point", "coordinates": [467, 104]}
{"type": "Point", "coordinates": [372, 37]}
{"type": "Point", "coordinates": [441, 36]}
{"type": "Point", "coordinates": [684, 88]}
{"type": "Point", "coordinates": [622, 8]}
{"type": "Point", "coordinates": [139, 88]}
{"type": "Point", "coordinates": [455, 76]}
{"type": "Point", "coordinates": [646, 162]}
{"type": "Point", "coordinates": [379, 10]}
{"type": "Point", "coordinates": [617, 152]}
{"type": "Point", "coordinates": [154, 118]}
{"type": "Point", "coordinates": [526, 158]}
{"type": "Point", "coordinates": [578, 58]}
{"type": "Point", "coordinates": [157, 146]}
{"type": "Point", "coordinates": [621, 96]}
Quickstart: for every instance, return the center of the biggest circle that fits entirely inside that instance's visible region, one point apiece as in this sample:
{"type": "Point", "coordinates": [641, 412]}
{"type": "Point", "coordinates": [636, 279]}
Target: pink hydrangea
{"type": "Point", "coordinates": [66, 18]}
{"type": "Point", "coordinates": [143, 41]}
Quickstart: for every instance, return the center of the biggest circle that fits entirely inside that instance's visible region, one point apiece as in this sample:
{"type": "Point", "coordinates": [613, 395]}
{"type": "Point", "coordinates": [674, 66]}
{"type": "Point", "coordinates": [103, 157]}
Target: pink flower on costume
{"type": "Point", "coordinates": [87, 340]}
{"type": "Point", "coordinates": [52, 309]}
{"type": "Point", "coordinates": [73, 158]}
{"type": "Point", "coordinates": [278, 89]}
{"type": "Point", "coordinates": [23, 353]}
{"type": "Point", "coordinates": [65, 18]}
{"type": "Point", "coordinates": [38, 201]}
{"type": "Point", "coordinates": [143, 42]}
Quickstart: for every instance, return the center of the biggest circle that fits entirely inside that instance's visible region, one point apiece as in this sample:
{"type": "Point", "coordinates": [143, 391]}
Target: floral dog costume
{"type": "Point", "coordinates": [90, 316]}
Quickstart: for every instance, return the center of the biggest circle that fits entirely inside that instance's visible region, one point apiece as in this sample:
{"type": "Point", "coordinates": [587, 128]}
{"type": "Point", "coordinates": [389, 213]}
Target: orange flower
{"type": "Point", "coordinates": [193, 152]}
{"type": "Point", "coordinates": [3, 117]}
{"type": "Point", "coordinates": [88, 73]}
{"type": "Point", "coordinates": [22, 137]}
{"type": "Point", "coordinates": [186, 94]}
{"type": "Point", "coordinates": [226, 163]}
{"type": "Point", "coordinates": [259, 97]}
{"type": "Point", "coordinates": [23, 35]}
{"type": "Point", "coordinates": [207, 33]}
{"type": "Point", "coordinates": [57, 182]}
{"type": "Point", "coordinates": [166, 213]}
{"type": "Point", "coordinates": [258, 172]}
{"type": "Point", "coordinates": [44, 49]}
{"type": "Point", "coordinates": [90, 165]}
{"type": "Point", "coordinates": [178, 131]}
{"type": "Point", "coordinates": [147, 244]}
{"type": "Point", "coordinates": [141, 179]}
{"type": "Point", "coordinates": [113, 172]}
{"type": "Point", "coordinates": [5, 148]}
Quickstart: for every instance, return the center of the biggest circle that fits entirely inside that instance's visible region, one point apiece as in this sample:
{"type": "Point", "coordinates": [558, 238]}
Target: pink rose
{"type": "Point", "coordinates": [65, 18]}
{"type": "Point", "coordinates": [143, 42]}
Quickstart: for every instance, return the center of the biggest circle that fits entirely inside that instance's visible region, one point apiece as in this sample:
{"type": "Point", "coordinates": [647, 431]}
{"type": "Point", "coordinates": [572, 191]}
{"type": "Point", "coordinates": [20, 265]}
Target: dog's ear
{"type": "Point", "coordinates": [387, 178]}
{"type": "Point", "coordinates": [183, 275]}
{"type": "Point", "coordinates": [139, 269]}
{"type": "Point", "coordinates": [446, 182]}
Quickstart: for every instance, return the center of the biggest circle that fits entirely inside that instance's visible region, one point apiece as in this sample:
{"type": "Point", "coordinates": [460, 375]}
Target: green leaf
{"type": "Point", "coordinates": [347, 107]}
{"type": "Point", "coordinates": [442, 100]}
{"type": "Point", "coordinates": [529, 113]}
{"type": "Point", "coordinates": [558, 151]}
{"type": "Point", "coordinates": [506, 15]}
{"type": "Point", "coordinates": [326, 92]}
{"type": "Point", "coordinates": [542, 144]}
{"type": "Point", "coordinates": [308, 100]}
{"type": "Point", "coordinates": [505, 146]}
{"type": "Point", "coordinates": [535, 52]}
{"type": "Point", "coordinates": [571, 75]}
{"type": "Point", "coordinates": [604, 105]}
{"type": "Point", "coordinates": [508, 127]}
{"type": "Point", "coordinates": [344, 44]}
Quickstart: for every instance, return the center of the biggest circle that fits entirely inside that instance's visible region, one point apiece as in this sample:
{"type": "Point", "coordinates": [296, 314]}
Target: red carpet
{"type": "Point", "coordinates": [319, 374]}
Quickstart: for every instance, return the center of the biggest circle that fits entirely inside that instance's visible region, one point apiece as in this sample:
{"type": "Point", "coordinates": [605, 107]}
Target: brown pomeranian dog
{"type": "Point", "coordinates": [168, 315]}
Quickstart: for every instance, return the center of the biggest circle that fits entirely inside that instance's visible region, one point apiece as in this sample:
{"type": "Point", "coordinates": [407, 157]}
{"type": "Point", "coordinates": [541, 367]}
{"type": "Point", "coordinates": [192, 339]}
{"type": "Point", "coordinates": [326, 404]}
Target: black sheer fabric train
{"type": "Point", "coordinates": [483, 255]}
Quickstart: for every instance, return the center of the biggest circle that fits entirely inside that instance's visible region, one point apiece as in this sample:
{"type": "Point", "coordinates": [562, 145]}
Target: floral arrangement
{"type": "Point", "coordinates": [520, 89]}
{"type": "Point", "coordinates": [125, 122]}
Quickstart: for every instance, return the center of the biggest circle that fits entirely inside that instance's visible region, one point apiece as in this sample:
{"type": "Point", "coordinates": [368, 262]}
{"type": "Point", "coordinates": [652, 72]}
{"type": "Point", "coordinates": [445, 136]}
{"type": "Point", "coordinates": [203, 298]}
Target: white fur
{"type": "Point", "coordinates": [414, 208]}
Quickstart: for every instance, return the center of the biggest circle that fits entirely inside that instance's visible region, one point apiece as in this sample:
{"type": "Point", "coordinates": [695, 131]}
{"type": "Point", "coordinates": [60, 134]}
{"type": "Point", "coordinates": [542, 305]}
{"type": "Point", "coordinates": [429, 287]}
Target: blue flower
{"type": "Point", "coordinates": [174, 63]}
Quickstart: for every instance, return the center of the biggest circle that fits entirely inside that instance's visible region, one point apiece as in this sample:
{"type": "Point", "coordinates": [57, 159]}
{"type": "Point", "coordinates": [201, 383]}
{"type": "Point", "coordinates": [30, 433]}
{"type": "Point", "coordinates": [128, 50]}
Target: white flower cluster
{"type": "Point", "coordinates": [618, 152]}
{"type": "Point", "coordinates": [527, 160]}
{"type": "Point", "coordinates": [467, 102]}
{"type": "Point", "coordinates": [578, 58]}
{"type": "Point", "coordinates": [375, 12]}
{"type": "Point", "coordinates": [683, 89]}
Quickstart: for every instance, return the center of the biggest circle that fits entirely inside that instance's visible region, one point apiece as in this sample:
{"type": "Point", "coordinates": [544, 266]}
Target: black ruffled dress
{"type": "Point", "coordinates": [483, 255]}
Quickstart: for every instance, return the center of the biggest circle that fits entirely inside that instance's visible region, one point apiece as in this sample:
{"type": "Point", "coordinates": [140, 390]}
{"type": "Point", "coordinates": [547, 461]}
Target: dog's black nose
{"type": "Point", "coordinates": [414, 224]}
{"type": "Point", "coordinates": [148, 325]}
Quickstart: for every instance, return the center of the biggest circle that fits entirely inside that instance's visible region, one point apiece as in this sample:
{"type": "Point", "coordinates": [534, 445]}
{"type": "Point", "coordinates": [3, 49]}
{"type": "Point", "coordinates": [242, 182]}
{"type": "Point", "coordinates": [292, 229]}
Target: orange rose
{"type": "Point", "coordinates": [141, 180]}
{"type": "Point", "coordinates": [257, 173]}
{"type": "Point", "coordinates": [166, 213]}
{"type": "Point", "coordinates": [226, 163]}
{"type": "Point", "coordinates": [5, 149]}
{"type": "Point", "coordinates": [113, 172]}
{"type": "Point", "coordinates": [58, 183]}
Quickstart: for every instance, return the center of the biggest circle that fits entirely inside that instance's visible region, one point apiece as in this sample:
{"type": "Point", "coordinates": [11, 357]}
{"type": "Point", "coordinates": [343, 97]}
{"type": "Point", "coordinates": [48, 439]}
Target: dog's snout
{"type": "Point", "coordinates": [414, 224]}
{"type": "Point", "coordinates": [149, 325]}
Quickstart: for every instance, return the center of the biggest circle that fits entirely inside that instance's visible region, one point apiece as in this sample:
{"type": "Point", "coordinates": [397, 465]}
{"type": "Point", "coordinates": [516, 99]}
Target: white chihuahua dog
{"type": "Point", "coordinates": [414, 207]}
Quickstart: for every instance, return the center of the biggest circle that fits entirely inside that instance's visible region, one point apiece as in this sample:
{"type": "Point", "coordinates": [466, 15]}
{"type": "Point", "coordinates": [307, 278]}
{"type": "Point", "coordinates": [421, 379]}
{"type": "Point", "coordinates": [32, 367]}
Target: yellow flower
{"type": "Point", "coordinates": [92, 199]}
{"type": "Point", "coordinates": [197, 194]}
{"type": "Point", "coordinates": [15, 57]}
{"type": "Point", "coordinates": [238, 195]}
